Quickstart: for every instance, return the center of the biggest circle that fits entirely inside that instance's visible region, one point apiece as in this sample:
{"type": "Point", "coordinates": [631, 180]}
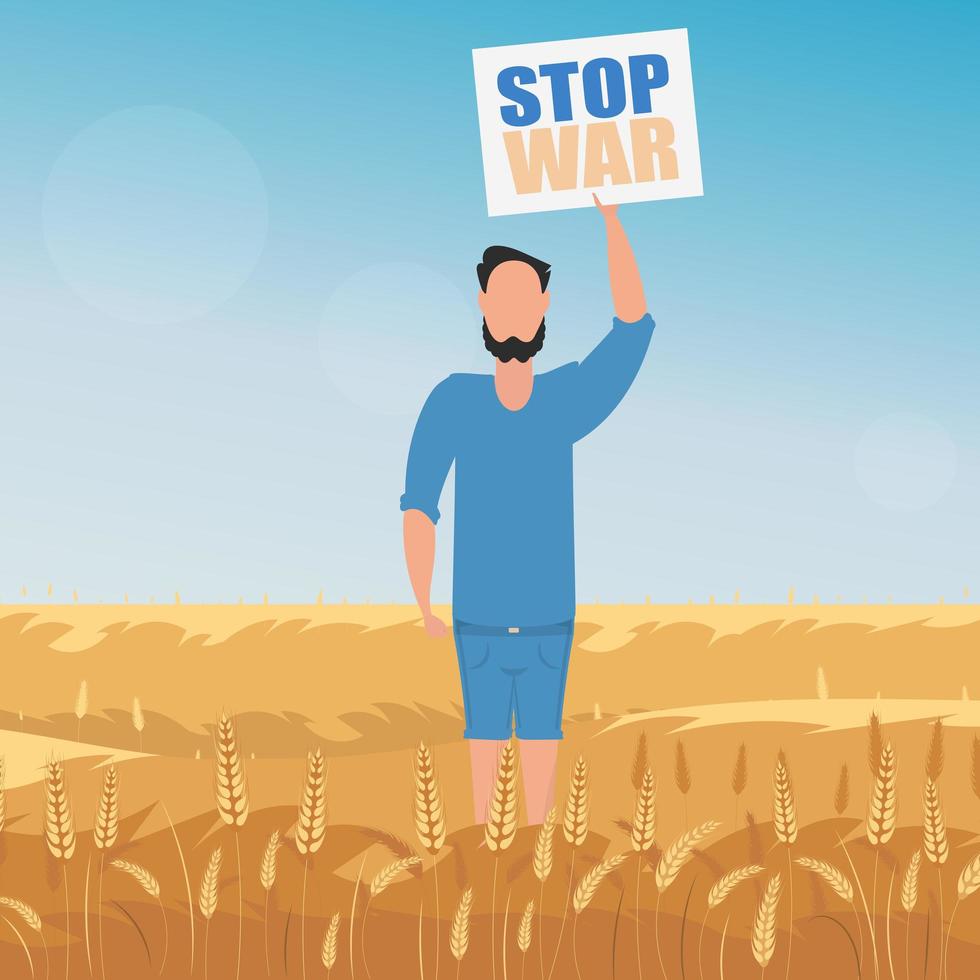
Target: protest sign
{"type": "Point", "coordinates": [560, 120]}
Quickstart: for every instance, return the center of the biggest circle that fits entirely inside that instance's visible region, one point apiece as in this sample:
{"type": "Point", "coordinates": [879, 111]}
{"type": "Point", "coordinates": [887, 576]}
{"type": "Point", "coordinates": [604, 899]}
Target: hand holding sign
{"type": "Point", "coordinates": [560, 118]}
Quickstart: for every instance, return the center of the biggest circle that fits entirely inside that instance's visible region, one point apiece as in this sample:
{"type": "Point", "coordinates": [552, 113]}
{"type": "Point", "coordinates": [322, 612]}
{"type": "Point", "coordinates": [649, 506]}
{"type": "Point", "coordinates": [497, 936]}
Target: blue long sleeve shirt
{"type": "Point", "coordinates": [514, 549]}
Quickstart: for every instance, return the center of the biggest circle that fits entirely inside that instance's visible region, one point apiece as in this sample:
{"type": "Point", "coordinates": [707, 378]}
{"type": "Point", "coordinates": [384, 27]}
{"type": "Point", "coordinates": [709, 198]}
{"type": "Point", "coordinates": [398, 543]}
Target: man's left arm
{"type": "Point", "coordinates": [605, 375]}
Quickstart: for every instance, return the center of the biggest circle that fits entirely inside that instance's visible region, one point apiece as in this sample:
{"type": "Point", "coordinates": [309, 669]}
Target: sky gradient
{"type": "Point", "coordinates": [237, 249]}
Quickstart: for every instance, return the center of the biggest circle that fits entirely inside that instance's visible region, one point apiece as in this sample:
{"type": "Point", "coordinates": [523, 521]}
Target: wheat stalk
{"type": "Point", "coordinates": [267, 877]}
{"type": "Point", "coordinates": [81, 707]}
{"type": "Point", "coordinates": [430, 821]}
{"type": "Point", "coordinates": [910, 882]}
{"type": "Point", "coordinates": [883, 805]}
{"type": "Point", "coordinates": [151, 886]}
{"type": "Point", "coordinates": [3, 794]}
{"type": "Point", "coordinates": [146, 880]}
{"type": "Point", "coordinates": [676, 856]}
{"type": "Point", "coordinates": [328, 952]}
{"type": "Point", "coordinates": [231, 789]}
{"type": "Point", "coordinates": [833, 876]}
{"type": "Point", "coordinates": [501, 824]}
{"type": "Point", "coordinates": [106, 828]}
{"type": "Point", "coordinates": [390, 872]}
{"type": "Point", "coordinates": [764, 926]}
{"type": "Point", "coordinates": [267, 872]}
{"type": "Point", "coordinates": [591, 880]}
{"type": "Point", "coordinates": [784, 803]}
{"type": "Point", "coordinates": [935, 842]}
{"type": "Point", "coordinates": [725, 885]}
{"type": "Point", "coordinates": [25, 911]}
{"type": "Point", "coordinates": [576, 821]}
{"type": "Point", "coordinates": [542, 862]}
{"type": "Point", "coordinates": [208, 898]}
{"type": "Point", "coordinates": [459, 937]}
{"type": "Point", "coordinates": [311, 825]}
{"type": "Point", "coordinates": [644, 814]}
{"type": "Point", "coordinates": [311, 829]}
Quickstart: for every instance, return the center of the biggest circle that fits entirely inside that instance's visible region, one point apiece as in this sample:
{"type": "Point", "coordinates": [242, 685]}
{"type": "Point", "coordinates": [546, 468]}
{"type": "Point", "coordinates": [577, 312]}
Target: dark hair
{"type": "Point", "coordinates": [498, 254]}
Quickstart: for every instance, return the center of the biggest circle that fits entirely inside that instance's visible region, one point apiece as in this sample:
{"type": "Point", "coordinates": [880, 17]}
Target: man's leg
{"type": "Point", "coordinates": [484, 756]}
{"type": "Point", "coordinates": [539, 760]}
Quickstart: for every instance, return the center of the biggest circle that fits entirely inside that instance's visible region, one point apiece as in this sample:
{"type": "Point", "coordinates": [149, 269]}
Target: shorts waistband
{"type": "Point", "coordinates": [479, 630]}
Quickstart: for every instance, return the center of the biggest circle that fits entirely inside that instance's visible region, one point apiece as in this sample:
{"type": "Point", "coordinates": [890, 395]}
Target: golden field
{"type": "Point", "coordinates": [365, 685]}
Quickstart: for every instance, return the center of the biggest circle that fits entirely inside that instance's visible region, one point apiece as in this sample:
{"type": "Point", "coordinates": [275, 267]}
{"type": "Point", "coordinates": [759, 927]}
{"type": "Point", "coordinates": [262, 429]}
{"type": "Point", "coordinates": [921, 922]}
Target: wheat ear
{"type": "Point", "coordinates": [524, 930]}
{"type": "Point", "coordinates": [390, 872]}
{"type": "Point", "coordinates": [459, 937]}
{"type": "Point", "coordinates": [676, 856]}
{"type": "Point", "coordinates": [267, 871]}
{"type": "Point", "coordinates": [725, 885]}
{"type": "Point", "coordinates": [764, 926]}
{"type": "Point", "coordinates": [544, 850]}
{"type": "Point", "coordinates": [231, 789]}
{"type": "Point", "coordinates": [645, 814]}
{"type": "Point", "coordinates": [25, 911]}
{"type": "Point", "coordinates": [208, 900]}
{"type": "Point", "coordinates": [784, 804]}
{"type": "Point", "coordinates": [591, 881]}
{"type": "Point", "coordinates": [430, 820]}
{"type": "Point", "coordinates": [311, 825]}
{"type": "Point", "coordinates": [328, 953]}
{"type": "Point", "coordinates": [146, 880]}
{"type": "Point", "coordinates": [910, 882]}
{"type": "Point", "coordinates": [576, 822]}
{"type": "Point", "coordinates": [833, 876]}
{"type": "Point", "coordinates": [883, 805]}
{"type": "Point", "coordinates": [59, 824]}
{"type": "Point", "coordinates": [501, 824]}
{"type": "Point", "coordinates": [935, 842]}
{"type": "Point", "coordinates": [107, 816]}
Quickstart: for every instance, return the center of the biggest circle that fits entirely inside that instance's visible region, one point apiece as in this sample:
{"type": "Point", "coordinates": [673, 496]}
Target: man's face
{"type": "Point", "coordinates": [513, 305]}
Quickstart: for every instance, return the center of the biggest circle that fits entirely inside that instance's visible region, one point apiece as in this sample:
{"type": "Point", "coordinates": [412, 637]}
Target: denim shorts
{"type": "Point", "coordinates": [513, 679]}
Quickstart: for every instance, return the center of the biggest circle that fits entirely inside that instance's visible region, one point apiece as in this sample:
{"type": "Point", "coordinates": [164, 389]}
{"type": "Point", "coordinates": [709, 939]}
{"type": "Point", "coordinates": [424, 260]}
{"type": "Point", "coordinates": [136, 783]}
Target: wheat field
{"type": "Point", "coordinates": [264, 791]}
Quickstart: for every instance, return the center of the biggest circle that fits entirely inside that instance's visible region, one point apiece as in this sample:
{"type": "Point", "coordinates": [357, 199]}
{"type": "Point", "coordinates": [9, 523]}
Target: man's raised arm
{"type": "Point", "coordinates": [624, 277]}
{"type": "Point", "coordinates": [605, 375]}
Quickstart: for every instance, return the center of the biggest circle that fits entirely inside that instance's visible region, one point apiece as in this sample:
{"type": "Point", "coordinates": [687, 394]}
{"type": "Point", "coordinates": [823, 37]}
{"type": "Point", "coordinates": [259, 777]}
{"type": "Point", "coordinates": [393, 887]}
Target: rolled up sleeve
{"type": "Point", "coordinates": [431, 454]}
{"type": "Point", "coordinates": [605, 375]}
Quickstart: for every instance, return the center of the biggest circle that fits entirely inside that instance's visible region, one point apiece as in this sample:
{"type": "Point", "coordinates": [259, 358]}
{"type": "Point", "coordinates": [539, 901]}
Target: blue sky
{"type": "Point", "coordinates": [237, 248]}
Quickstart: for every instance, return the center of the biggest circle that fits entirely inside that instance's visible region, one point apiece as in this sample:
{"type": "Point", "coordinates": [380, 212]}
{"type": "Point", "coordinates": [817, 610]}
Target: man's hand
{"type": "Point", "coordinates": [434, 626]}
{"type": "Point", "coordinates": [608, 210]}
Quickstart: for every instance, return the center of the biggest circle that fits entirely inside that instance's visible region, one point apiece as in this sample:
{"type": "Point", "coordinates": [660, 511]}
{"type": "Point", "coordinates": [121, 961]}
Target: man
{"type": "Point", "coordinates": [510, 435]}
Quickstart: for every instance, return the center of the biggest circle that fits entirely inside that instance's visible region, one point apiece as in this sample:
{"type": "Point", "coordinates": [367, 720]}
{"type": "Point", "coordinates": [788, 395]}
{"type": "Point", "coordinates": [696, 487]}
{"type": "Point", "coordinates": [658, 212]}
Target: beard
{"type": "Point", "coordinates": [504, 350]}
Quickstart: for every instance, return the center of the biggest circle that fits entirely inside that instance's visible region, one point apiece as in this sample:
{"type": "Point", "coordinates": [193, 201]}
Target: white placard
{"type": "Point", "coordinates": [561, 119]}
